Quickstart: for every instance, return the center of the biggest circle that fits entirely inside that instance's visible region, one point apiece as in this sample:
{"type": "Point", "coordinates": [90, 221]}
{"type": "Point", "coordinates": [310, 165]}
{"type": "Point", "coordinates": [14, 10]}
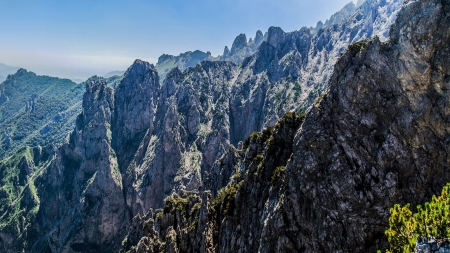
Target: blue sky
{"type": "Point", "coordinates": [77, 39]}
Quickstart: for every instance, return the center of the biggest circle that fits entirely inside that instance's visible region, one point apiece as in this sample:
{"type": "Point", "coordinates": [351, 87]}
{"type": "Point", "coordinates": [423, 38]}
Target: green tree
{"type": "Point", "coordinates": [431, 220]}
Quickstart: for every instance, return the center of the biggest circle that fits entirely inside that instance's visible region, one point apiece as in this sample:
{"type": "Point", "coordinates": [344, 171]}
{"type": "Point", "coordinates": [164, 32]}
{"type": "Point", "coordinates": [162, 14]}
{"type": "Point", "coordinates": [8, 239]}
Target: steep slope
{"type": "Point", "coordinates": [137, 143]}
{"type": "Point", "coordinates": [338, 17]}
{"type": "Point", "coordinates": [290, 70]}
{"type": "Point", "coordinates": [19, 202]}
{"type": "Point", "coordinates": [377, 137]}
{"type": "Point", "coordinates": [36, 110]}
{"type": "Point", "coordinates": [84, 207]}
{"type": "Point", "coordinates": [190, 132]}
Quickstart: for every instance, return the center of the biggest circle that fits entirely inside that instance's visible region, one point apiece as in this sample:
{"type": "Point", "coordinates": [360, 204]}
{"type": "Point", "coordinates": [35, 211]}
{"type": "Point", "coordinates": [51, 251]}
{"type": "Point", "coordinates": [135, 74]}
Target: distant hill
{"type": "Point", "coordinates": [2, 78]}
{"type": "Point", "coordinates": [36, 110]}
{"type": "Point", "coordinates": [114, 73]}
{"type": "Point", "coordinates": [77, 80]}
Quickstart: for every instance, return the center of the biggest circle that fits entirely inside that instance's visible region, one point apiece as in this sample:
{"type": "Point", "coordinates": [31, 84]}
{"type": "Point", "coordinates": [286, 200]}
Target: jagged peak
{"type": "Point", "coordinates": [175, 72]}
{"type": "Point", "coordinates": [138, 71]}
{"type": "Point", "coordinates": [342, 14]}
{"type": "Point", "coordinates": [140, 63]}
{"type": "Point", "coordinates": [226, 51]}
{"type": "Point", "coordinates": [239, 42]}
{"type": "Point", "coordinates": [20, 72]}
{"type": "Point", "coordinates": [350, 6]}
{"type": "Point", "coordinates": [275, 35]}
{"type": "Point", "coordinates": [95, 83]}
{"type": "Point", "coordinates": [259, 37]}
{"type": "Point", "coordinates": [97, 96]}
{"type": "Point", "coordinates": [259, 33]}
{"type": "Point", "coordinates": [164, 58]}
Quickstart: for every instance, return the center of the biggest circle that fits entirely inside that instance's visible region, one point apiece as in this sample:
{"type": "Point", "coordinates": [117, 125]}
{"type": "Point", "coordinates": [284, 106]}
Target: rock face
{"type": "Point", "coordinates": [241, 48]}
{"type": "Point", "coordinates": [135, 98]}
{"type": "Point", "coordinates": [134, 145]}
{"type": "Point", "coordinates": [191, 132]}
{"type": "Point", "coordinates": [378, 136]}
{"type": "Point", "coordinates": [84, 207]}
{"type": "Point", "coordinates": [370, 140]}
{"type": "Point", "coordinates": [194, 219]}
{"type": "Point", "coordinates": [338, 17]}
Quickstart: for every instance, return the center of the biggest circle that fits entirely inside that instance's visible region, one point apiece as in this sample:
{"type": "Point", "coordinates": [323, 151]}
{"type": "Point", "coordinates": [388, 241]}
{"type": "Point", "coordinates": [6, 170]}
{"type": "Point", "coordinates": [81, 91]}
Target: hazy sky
{"type": "Point", "coordinates": [77, 39]}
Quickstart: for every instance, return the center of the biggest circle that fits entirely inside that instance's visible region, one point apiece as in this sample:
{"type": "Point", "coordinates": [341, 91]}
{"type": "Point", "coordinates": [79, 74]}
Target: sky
{"type": "Point", "coordinates": [80, 38]}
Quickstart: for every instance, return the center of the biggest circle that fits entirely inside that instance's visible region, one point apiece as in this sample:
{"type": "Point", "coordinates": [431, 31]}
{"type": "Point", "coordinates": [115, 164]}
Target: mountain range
{"type": "Point", "coordinates": [288, 142]}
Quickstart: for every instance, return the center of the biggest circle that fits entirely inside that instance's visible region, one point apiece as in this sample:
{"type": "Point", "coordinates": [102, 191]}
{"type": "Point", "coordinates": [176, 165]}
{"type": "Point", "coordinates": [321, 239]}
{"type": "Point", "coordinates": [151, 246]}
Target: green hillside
{"type": "Point", "coordinates": [36, 110]}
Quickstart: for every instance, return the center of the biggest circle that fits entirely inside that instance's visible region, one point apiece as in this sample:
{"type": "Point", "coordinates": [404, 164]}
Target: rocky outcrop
{"type": "Point", "coordinates": [239, 43]}
{"type": "Point", "coordinates": [378, 136]}
{"type": "Point", "coordinates": [241, 48]}
{"type": "Point", "coordinates": [228, 220]}
{"type": "Point", "coordinates": [135, 145]}
{"type": "Point", "coordinates": [135, 100]}
{"type": "Point", "coordinates": [84, 207]}
{"type": "Point", "coordinates": [370, 139]}
{"type": "Point", "coordinates": [191, 132]}
{"type": "Point", "coordinates": [429, 245]}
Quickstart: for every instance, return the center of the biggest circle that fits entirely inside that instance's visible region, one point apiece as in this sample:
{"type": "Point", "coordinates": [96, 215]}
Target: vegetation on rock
{"type": "Point", "coordinates": [430, 220]}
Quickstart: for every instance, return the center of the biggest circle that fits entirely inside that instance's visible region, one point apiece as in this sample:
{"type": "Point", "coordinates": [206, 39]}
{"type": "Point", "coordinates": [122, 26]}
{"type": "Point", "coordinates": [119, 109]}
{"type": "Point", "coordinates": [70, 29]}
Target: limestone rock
{"type": "Point", "coordinates": [378, 136]}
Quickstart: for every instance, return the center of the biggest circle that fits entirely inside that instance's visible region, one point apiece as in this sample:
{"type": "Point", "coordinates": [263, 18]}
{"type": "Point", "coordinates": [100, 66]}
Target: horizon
{"type": "Point", "coordinates": [77, 40]}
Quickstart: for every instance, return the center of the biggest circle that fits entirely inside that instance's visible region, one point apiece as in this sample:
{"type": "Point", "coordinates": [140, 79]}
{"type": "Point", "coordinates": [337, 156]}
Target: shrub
{"type": "Point", "coordinates": [431, 220]}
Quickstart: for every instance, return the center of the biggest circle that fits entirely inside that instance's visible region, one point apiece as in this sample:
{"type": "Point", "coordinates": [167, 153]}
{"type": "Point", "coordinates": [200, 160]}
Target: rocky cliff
{"type": "Point", "coordinates": [325, 183]}
{"type": "Point", "coordinates": [140, 142]}
{"type": "Point", "coordinates": [84, 208]}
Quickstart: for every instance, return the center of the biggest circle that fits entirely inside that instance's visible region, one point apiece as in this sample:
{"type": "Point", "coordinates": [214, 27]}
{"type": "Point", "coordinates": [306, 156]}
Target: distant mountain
{"type": "Point", "coordinates": [36, 110]}
{"type": "Point", "coordinates": [6, 70]}
{"type": "Point", "coordinates": [339, 16]}
{"type": "Point", "coordinates": [77, 80]}
{"type": "Point", "coordinates": [114, 73]}
{"type": "Point", "coordinates": [240, 49]}
{"type": "Point", "coordinates": [167, 62]}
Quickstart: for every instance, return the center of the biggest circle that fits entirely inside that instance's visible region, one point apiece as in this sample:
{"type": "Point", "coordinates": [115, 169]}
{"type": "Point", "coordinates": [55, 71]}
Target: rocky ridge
{"type": "Point", "coordinates": [240, 49]}
{"type": "Point", "coordinates": [136, 144]}
{"type": "Point", "coordinates": [378, 136]}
